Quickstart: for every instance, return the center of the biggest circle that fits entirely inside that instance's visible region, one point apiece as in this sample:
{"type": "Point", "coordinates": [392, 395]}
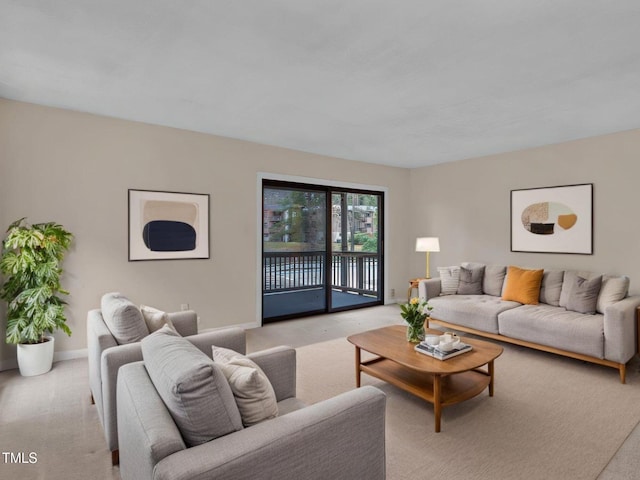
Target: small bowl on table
{"type": "Point", "coordinates": [432, 340]}
{"type": "Point", "coordinates": [448, 346]}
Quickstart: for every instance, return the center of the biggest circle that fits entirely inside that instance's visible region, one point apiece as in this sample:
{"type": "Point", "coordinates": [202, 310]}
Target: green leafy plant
{"type": "Point", "coordinates": [30, 261]}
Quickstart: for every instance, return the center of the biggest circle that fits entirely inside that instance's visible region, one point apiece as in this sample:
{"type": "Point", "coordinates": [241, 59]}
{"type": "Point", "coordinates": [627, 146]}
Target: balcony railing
{"type": "Point", "coordinates": [355, 272]}
{"type": "Point", "coordinates": [350, 271]}
{"type": "Point", "coordinates": [283, 271]}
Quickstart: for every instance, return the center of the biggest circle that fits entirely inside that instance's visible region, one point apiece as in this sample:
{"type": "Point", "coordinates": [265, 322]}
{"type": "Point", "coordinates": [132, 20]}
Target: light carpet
{"type": "Point", "coordinates": [550, 418]}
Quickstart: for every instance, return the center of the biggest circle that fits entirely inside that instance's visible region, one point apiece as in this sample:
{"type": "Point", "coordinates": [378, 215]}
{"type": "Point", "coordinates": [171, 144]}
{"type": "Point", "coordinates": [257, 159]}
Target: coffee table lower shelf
{"type": "Point", "coordinates": [438, 389]}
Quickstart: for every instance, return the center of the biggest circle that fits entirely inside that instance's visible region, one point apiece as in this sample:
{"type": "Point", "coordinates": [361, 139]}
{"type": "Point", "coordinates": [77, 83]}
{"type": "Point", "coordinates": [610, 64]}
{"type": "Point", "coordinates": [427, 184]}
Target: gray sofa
{"type": "Point", "coordinates": [605, 336]}
{"type": "Point", "coordinates": [340, 438]}
{"type": "Point", "coordinates": [106, 353]}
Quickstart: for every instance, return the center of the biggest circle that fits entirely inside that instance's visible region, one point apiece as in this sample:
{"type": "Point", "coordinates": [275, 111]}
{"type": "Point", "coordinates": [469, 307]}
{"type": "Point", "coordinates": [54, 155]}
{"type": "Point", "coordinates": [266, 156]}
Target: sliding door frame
{"type": "Point", "coordinates": [320, 183]}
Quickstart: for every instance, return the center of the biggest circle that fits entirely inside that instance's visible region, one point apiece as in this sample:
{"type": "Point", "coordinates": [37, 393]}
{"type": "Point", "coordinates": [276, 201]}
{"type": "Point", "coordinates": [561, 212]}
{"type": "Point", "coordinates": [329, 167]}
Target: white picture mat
{"type": "Point", "coordinates": [578, 239]}
{"type": "Point", "coordinates": [137, 248]}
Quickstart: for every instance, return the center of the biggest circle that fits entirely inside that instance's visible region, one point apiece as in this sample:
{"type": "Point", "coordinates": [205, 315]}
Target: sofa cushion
{"type": "Point", "coordinates": [449, 279]}
{"type": "Point", "coordinates": [583, 294]}
{"type": "Point", "coordinates": [522, 285]}
{"type": "Point", "coordinates": [555, 327]}
{"type": "Point", "coordinates": [155, 319]}
{"type": "Point", "coordinates": [192, 386]}
{"type": "Point", "coordinates": [123, 318]}
{"type": "Point", "coordinates": [251, 388]}
{"type": "Point", "coordinates": [569, 280]}
{"type": "Point", "coordinates": [471, 281]}
{"type": "Point", "coordinates": [551, 287]}
{"type": "Point", "coordinates": [493, 279]}
{"type": "Point", "coordinates": [473, 311]}
{"type": "Point", "coordinates": [614, 289]}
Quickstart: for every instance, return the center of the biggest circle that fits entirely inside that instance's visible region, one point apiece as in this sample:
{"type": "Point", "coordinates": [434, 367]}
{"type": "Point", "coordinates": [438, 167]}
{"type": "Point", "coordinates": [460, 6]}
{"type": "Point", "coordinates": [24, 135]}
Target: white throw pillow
{"type": "Point", "coordinates": [251, 388]}
{"type": "Point", "coordinates": [156, 319]}
{"type": "Point", "coordinates": [449, 279]}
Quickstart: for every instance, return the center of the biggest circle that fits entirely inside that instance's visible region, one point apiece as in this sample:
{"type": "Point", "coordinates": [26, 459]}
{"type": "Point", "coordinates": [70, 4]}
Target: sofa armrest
{"type": "Point", "coordinates": [146, 429]}
{"type": "Point", "coordinates": [279, 365]}
{"type": "Point", "coordinates": [99, 339]}
{"type": "Point", "coordinates": [429, 288]}
{"type": "Point", "coordinates": [112, 360]}
{"type": "Point", "coordinates": [186, 322]}
{"type": "Point", "coordinates": [620, 329]}
{"type": "Point", "coordinates": [233, 338]}
{"type": "Point", "coordinates": [342, 438]}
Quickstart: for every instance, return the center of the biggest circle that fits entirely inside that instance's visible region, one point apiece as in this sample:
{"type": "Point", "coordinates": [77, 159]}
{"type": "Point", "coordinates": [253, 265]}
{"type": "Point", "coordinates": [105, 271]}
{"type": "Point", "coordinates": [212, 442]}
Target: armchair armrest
{"type": "Point", "coordinates": [99, 339]}
{"type": "Point", "coordinates": [146, 429]}
{"type": "Point", "coordinates": [279, 365]}
{"type": "Point", "coordinates": [341, 438]}
{"type": "Point", "coordinates": [233, 338]}
{"type": "Point", "coordinates": [429, 288]}
{"type": "Point", "coordinates": [112, 360]}
{"type": "Point", "coordinates": [620, 329]}
{"type": "Point", "coordinates": [186, 322]}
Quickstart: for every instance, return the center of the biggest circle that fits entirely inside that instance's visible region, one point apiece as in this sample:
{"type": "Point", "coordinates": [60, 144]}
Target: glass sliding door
{"type": "Point", "coordinates": [294, 240]}
{"type": "Point", "coordinates": [356, 253]}
{"type": "Point", "coordinates": [321, 249]}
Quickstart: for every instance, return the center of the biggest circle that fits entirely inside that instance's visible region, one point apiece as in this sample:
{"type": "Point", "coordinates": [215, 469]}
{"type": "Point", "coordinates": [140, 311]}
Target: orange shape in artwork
{"type": "Point", "coordinates": [567, 221]}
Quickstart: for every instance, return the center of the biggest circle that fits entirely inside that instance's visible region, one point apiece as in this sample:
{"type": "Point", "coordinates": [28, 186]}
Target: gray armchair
{"type": "Point", "coordinates": [340, 438]}
{"type": "Point", "coordinates": [106, 357]}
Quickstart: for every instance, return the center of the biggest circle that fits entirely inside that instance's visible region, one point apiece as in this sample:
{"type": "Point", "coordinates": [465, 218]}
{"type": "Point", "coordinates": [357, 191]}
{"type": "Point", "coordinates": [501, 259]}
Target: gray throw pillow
{"type": "Point", "coordinates": [569, 280]}
{"type": "Point", "coordinates": [551, 287]}
{"type": "Point", "coordinates": [493, 279]}
{"type": "Point", "coordinates": [193, 388]}
{"type": "Point", "coordinates": [123, 318]}
{"type": "Point", "coordinates": [470, 281]}
{"type": "Point", "coordinates": [613, 290]}
{"type": "Point", "coordinates": [583, 294]}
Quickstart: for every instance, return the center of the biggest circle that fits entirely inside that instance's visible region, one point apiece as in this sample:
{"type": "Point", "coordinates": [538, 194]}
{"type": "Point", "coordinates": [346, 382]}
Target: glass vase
{"type": "Point", "coordinates": [415, 333]}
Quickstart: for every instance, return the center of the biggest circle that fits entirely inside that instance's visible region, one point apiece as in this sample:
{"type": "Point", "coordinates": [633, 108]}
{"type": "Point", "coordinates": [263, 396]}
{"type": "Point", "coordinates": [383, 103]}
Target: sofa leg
{"type": "Point", "coordinates": [115, 457]}
{"type": "Point", "coordinates": [623, 373]}
{"type": "Point", "coordinates": [93, 402]}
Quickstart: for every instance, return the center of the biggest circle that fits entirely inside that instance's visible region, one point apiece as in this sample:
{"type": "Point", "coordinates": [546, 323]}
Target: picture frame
{"type": "Point", "coordinates": [167, 225]}
{"type": "Point", "coordinates": [553, 219]}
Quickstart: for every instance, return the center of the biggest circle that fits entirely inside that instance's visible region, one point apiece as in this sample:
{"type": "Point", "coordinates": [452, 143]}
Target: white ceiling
{"type": "Point", "coordinates": [403, 82]}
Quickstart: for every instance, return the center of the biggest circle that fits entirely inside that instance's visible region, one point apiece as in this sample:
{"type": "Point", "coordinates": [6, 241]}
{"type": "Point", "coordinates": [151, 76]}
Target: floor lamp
{"type": "Point", "coordinates": [427, 244]}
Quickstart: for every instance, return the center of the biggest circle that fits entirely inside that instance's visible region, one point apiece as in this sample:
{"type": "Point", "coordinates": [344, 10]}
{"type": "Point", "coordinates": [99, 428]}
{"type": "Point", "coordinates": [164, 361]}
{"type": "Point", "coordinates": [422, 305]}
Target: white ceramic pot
{"type": "Point", "coordinates": [36, 358]}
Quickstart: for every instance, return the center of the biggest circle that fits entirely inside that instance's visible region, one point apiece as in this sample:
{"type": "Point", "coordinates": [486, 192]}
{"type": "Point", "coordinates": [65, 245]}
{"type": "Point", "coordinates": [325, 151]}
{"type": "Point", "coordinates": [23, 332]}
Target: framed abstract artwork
{"type": "Point", "coordinates": [168, 225]}
{"type": "Point", "coordinates": [553, 219]}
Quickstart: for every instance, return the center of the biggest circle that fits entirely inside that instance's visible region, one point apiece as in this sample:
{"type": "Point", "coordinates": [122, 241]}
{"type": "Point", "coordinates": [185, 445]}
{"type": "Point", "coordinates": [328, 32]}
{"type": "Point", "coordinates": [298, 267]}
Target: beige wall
{"type": "Point", "coordinates": [466, 204]}
{"type": "Point", "coordinates": [75, 168]}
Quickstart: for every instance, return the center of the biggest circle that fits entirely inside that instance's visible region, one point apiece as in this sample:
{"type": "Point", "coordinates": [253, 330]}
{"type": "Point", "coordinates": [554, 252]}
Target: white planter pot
{"type": "Point", "coordinates": [35, 359]}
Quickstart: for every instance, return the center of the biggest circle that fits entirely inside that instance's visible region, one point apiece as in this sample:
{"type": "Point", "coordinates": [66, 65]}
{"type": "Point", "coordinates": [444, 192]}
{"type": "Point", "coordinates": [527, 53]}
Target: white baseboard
{"type": "Point", "coordinates": [244, 326]}
{"type": "Point", "coordinates": [70, 354]}
{"type": "Point", "coordinates": [57, 356]}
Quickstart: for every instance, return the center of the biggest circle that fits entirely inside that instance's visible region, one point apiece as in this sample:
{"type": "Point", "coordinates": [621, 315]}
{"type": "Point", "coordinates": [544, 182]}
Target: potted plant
{"type": "Point", "coordinates": [30, 262]}
{"type": "Point", "coordinates": [415, 313]}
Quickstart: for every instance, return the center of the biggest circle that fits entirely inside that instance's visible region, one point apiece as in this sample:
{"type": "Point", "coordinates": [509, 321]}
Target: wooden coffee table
{"type": "Point", "coordinates": [440, 382]}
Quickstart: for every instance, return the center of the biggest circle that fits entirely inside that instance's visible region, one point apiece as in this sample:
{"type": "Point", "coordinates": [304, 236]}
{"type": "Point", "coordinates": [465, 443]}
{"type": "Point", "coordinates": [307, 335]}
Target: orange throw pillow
{"type": "Point", "coordinates": [522, 285]}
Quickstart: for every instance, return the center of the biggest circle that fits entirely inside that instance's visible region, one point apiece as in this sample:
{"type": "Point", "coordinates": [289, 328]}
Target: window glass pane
{"type": "Point", "coordinates": [293, 220]}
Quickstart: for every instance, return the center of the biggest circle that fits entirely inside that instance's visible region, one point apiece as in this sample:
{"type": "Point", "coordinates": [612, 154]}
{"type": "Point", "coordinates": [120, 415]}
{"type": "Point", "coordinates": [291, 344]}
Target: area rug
{"type": "Point", "coordinates": [550, 418]}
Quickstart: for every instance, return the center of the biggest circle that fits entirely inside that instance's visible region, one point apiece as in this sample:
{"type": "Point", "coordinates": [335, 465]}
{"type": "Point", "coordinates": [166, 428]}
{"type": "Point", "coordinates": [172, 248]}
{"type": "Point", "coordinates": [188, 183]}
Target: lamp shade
{"type": "Point", "coordinates": [427, 244]}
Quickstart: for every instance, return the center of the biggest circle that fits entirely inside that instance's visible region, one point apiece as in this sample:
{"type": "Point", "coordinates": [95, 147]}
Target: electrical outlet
{"type": "Point", "coordinates": [184, 306]}
{"type": "Point", "coordinates": [393, 293]}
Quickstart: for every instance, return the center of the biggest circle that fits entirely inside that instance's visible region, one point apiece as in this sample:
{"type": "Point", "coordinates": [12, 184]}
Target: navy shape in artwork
{"type": "Point", "coordinates": [169, 236]}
